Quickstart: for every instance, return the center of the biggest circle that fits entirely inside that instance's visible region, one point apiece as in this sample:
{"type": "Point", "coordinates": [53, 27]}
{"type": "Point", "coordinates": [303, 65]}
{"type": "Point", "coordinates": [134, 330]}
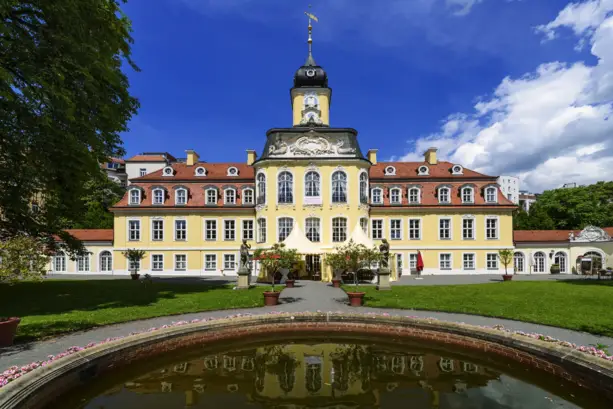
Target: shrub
{"type": "Point", "coordinates": [22, 258]}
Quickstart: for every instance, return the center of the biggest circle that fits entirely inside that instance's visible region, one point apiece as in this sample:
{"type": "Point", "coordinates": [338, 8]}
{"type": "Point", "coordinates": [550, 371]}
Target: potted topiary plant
{"type": "Point", "coordinates": [354, 257]}
{"type": "Point", "coordinates": [506, 258]}
{"type": "Point", "coordinates": [337, 265]}
{"type": "Point", "coordinates": [273, 260]}
{"type": "Point", "coordinates": [23, 258]}
{"type": "Point", "coordinates": [554, 269]}
{"type": "Point", "coordinates": [134, 257]}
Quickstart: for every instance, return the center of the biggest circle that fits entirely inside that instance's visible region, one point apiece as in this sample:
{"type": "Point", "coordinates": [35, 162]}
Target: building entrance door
{"type": "Point", "coordinates": [313, 267]}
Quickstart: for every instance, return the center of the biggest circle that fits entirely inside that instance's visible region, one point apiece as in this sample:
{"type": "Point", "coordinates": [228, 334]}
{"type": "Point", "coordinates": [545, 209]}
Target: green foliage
{"type": "Point", "coordinates": [352, 257]}
{"type": "Point", "coordinates": [22, 258]}
{"type": "Point", "coordinates": [101, 193]}
{"type": "Point", "coordinates": [506, 258]}
{"type": "Point", "coordinates": [276, 258]}
{"type": "Point", "coordinates": [134, 256]}
{"type": "Point", "coordinates": [570, 209]}
{"type": "Point", "coordinates": [64, 102]}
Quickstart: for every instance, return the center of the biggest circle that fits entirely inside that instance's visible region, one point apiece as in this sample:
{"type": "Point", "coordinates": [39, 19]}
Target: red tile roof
{"type": "Point", "coordinates": [92, 234]}
{"type": "Point", "coordinates": [524, 236]}
{"type": "Point", "coordinates": [409, 170]}
{"type": "Point", "coordinates": [214, 171]}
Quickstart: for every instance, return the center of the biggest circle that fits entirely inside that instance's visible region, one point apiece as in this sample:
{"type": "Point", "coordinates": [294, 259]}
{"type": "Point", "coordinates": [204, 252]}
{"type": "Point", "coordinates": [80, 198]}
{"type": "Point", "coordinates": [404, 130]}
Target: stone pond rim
{"type": "Point", "coordinates": [35, 389]}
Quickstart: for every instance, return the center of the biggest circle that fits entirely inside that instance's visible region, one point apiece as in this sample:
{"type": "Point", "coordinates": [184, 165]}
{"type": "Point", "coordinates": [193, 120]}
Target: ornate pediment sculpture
{"type": "Point", "coordinates": [591, 234]}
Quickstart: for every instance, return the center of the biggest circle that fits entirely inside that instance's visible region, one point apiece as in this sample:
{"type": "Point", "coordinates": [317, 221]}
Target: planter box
{"type": "Point", "coordinates": [507, 277]}
{"type": "Point", "coordinates": [7, 331]}
{"type": "Point", "coordinates": [356, 299]}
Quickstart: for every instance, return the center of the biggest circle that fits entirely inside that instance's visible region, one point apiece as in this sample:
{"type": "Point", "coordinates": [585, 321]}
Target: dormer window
{"type": "Point", "coordinates": [181, 196]}
{"type": "Point", "coordinates": [395, 196]}
{"type": "Point", "coordinates": [457, 170]}
{"type": "Point", "coordinates": [158, 196]}
{"type": "Point", "coordinates": [168, 171]}
{"type": "Point", "coordinates": [377, 195]}
{"type": "Point", "coordinates": [134, 196]}
{"type": "Point", "coordinates": [423, 171]}
{"type": "Point", "coordinates": [414, 195]}
{"type": "Point", "coordinates": [229, 196]}
{"type": "Point", "coordinates": [490, 194]}
{"type": "Point", "coordinates": [200, 171]}
{"type": "Point", "coordinates": [468, 195]}
{"type": "Point", "coordinates": [444, 195]}
{"type": "Point", "coordinates": [390, 171]}
{"type": "Point", "coordinates": [232, 171]}
{"type": "Point", "coordinates": [211, 196]}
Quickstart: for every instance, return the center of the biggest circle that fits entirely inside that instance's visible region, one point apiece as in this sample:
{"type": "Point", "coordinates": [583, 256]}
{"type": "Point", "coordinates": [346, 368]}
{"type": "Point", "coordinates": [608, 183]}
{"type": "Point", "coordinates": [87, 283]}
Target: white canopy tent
{"type": "Point", "coordinates": [298, 240]}
{"type": "Point", "coordinates": [359, 237]}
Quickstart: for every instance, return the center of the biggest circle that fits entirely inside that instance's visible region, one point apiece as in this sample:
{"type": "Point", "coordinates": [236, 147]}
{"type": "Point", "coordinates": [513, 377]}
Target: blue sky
{"type": "Point", "coordinates": [216, 74]}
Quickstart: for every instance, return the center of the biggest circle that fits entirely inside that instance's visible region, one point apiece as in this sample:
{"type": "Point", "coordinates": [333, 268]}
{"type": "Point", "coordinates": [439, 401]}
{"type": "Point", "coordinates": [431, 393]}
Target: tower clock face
{"type": "Point", "coordinates": [310, 73]}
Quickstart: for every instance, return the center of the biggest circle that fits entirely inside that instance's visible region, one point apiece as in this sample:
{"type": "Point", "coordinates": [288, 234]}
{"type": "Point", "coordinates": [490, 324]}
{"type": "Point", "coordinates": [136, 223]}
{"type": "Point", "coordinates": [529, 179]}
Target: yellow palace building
{"type": "Point", "coordinates": [313, 187]}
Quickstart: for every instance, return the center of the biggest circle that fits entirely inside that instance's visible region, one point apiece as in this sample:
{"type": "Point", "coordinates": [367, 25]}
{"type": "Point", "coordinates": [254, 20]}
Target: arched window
{"type": "Point", "coordinates": [539, 262]}
{"type": "Point", "coordinates": [285, 227]}
{"type": "Point", "coordinates": [229, 196]}
{"type": "Point", "coordinates": [134, 196]}
{"type": "Point", "coordinates": [181, 196]}
{"type": "Point", "coordinates": [490, 195]}
{"type": "Point", "coordinates": [364, 224]}
{"type": "Point", "coordinates": [443, 195]}
{"type": "Point", "coordinates": [377, 195]}
{"type": "Point", "coordinates": [518, 262]}
{"type": "Point", "coordinates": [261, 188]}
{"type": "Point", "coordinates": [339, 187]}
{"type": "Point", "coordinates": [106, 262]}
{"type": "Point", "coordinates": [363, 187]}
{"type": "Point", "coordinates": [312, 228]}
{"type": "Point", "coordinates": [285, 183]}
{"type": "Point", "coordinates": [560, 259]}
{"type": "Point", "coordinates": [395, 196]}
{"type": "Point", "coordinates": [468, 195]}
{"type": "Point", "coordinates": [311, 100]}
{"type": "Point", "coordinates": [158, 196]}
{"type": "Point", "coordinates": [414, 195]}
{"type": "Point", "coordinates": [83, 263]}
{"type": "Point", "coordinates": [311, 184]}
{"type": "Point", "coordinates": [59, 262]}
{"type": "Point", "coordinates": [589, 263]}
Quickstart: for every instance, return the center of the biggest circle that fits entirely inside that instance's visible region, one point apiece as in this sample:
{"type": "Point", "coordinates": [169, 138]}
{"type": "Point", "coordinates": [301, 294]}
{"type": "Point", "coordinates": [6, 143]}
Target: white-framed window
{"type": "Point", "coordinates": [444, 195]}
{"type": "Point", "coordinates": [423, 171]}
{"type": "Point", "coordinates": [311, 100]}
{"type": "Point", "coordinates": [468, 261]}
{"type": "Point", "coordinates": [414, 195]}
{"type": "Point", "coordinates": [444, 261]}
{"type": "Point", "coordinates": [395, 196]}
{"type": "Point", "coordinates": [491, 228]}
{"type": "Point", "coordinates": [414, 229]}
{"type": "Point", "coordinates": [210, 262]}
{"type": "Point", "coordinates": [142, 172]}
{"type": "Point", "coordinates": [133, 230]}
{"type": "Point", "coordinates": [232, 171]}
{"type": "Point", "coordinates": [180, 230]}
{"type": "Point", "coordinates": [83, 263]}
{"type": "Point", "coordinates": [413, 261]}
{"type": "Point", "coordinates": [339, 229]}
{"type": "Point", "coordinates": [539, 262]}
{"type": "Point", "coordinates": [229, 196]}
{"type": "Point", "coordinates": [157, 262]}
{"type": "Point", "coordinates": [261, 230]}
{"type": "Point", "coordinates": [285, 227]}
{"type": "Point", "coordinates": [313, 229]}
{"type": "Point", "coordinates": [376, 229]}
{"type": "Point", "coordinates": [339, 187]}
{"type": "Point", "coordinates": [59, 262]}
{"type": "Point", "coordinates": [181, 196]}
{"type": "Point", "coordinates": [106, 262]}
{"type": "Point", "coordinates": [468, 195]}
{"type": "Point", "coordinates": [168, 171]}
{"type": "Point", "coordinates": [285, 182]}
{"type": "Point", "coordinates": [229, 230]}
{"type": "Point", "coordinates": [211, 196]}
{"type": "Point", "coordinates": [377, 195]}
{"type": "Point", "coordinates": [457, 170]}
{"type": "Point", "coordinates": [210, 230]}
{"type": "Point", "coordinates": [491, 261]}
{"type": "Point", "coordinates": [247, 230]}
{"type": "Point", "coordinates": [518, 262]}
{"type": "Point", "coordinates": [396, 229]}
{"type": "Point", "coordinates": [180, 262]}
{"type": "Point", "coordinates": [134, 196]}
{"type": "Point", "coordinates": [157, 230]}
{"type": "Point", "coordinates": [248, 196]}
{"type": "Point", "coordinates": [468, 229]}
{"type": "Point", "coordinates": [312, 184]}
{"type": "Point", "coordinates": [444, 229]}
{"type": "Point", "coordinates": [364, 224]}
{"type": "Point", "coordinates": [390, 171]}
{"type": "Point", "coordinates": [158, 196]}
{"type": "Point", "coordinates": [229, 261]}
{"type": "Point", "coordinates": [200, 171]}
{"type": "Point", "coordinates": [491, 196]}
{"type": "Point", "coordinates": [261, 187]}
{"type": "Point", "coordinates": [363, 187]}
{"type": "Point", "coordinates": [560, 259]}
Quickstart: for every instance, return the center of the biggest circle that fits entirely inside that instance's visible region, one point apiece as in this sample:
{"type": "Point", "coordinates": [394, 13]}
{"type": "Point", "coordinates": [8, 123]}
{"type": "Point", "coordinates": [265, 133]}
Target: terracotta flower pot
{"type": "Point", "coordinates": [7, 331]}
{"type": "Point", "coordinates": [356, 299]}
{"type": "Point", "coordinates": [289, 283]}
{"type": "Point", "coordinates": [271, 298]}
{"type": "Point", "coordinates": [135, 276]}
{"type": "Point", "coordinates": [507, 277]}
{"type": "Point", "coordinates": [336, 283]}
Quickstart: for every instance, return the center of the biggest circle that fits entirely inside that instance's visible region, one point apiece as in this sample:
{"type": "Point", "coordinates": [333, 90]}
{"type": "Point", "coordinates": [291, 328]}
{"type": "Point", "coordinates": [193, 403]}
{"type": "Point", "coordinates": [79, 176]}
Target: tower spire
{"type": "Point", "coordinates": [310, 61]}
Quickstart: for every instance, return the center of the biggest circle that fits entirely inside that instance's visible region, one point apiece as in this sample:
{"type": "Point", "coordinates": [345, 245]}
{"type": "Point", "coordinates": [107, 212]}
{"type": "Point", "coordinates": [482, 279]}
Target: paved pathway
{"type": "Point", "coordinates": [307, 296]}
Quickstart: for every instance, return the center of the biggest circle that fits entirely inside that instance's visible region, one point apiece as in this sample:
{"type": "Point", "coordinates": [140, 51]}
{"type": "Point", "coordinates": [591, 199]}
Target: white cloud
{"type": "Point", "coordinates": [462, 7]}
{"type": "Point", "coordinates": [549, 127]}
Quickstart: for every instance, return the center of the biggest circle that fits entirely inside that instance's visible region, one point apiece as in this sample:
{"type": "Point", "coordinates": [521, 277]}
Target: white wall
{"type": "Point", "coordinates": [509, 186]}
{"type": "Point", "coordinates": [133, 168]}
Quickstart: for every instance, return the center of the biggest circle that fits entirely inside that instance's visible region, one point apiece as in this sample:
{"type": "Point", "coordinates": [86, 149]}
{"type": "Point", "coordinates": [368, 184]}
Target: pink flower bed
{"type": "Point", "coordinates": [16, 372]}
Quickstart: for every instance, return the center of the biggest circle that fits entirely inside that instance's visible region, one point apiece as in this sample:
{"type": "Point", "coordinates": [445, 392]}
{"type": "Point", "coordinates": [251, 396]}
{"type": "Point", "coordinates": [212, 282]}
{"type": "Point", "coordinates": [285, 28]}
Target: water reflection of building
{"type": "Point", "coordinates": [293, 376]}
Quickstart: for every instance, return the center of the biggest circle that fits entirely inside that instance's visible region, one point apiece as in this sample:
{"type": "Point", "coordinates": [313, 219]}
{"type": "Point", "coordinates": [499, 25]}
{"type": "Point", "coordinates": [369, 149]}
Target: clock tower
{"type": "Point", "coordinates": [310, 94]}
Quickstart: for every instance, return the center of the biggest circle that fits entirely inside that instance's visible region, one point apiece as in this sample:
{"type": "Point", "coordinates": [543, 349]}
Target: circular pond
{"type": "Point", "coordinates": [326, 372]}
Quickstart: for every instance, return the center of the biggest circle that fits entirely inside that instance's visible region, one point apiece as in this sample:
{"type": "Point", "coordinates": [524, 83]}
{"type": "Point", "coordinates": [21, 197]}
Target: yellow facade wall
{"type": "Point", "coordinates": [324, 106]}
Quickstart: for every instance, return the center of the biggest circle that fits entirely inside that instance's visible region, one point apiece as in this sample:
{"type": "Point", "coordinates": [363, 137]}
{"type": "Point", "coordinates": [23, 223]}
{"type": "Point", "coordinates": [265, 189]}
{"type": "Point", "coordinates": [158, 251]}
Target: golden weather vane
{"type": "Point", "coordinates": [311, 16]}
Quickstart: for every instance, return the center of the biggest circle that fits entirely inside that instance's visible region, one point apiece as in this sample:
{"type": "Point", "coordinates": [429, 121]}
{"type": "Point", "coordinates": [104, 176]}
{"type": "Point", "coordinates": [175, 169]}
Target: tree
{"type": "Point", "coordinates": [506, 258]}
{"type": "Point", "coordinates": [276, 258]}
{"type": "Point", "coordinates": [102, 193]}
{"type": "Point", "coordinates": [134, 257]}
{"type": "Point", "coordinates": [64, 101]}
{"type": "Point", "coordinates": [22, 258]}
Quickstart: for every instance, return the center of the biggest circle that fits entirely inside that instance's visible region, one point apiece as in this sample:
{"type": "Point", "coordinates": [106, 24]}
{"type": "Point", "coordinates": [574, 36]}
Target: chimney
{"type": "Point", "coordinates": [251, 156]}
{"type": "Point", "coordinates": [430, 156]}
{"type": "Point", "coordinates": [192, 157]}
{"type": "Point", "coordinates": [372, 156]}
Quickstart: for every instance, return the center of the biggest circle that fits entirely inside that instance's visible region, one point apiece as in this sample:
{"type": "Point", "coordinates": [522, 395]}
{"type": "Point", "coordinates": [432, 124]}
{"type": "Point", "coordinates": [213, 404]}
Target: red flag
{"type": "Point", "coordinates": [420, 262]}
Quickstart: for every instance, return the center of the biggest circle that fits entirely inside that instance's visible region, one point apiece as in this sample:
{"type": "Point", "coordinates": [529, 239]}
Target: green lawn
{"type": "Point", "coordinates": [58, 306]}
{"type": "Point", "coordinates": [583, 305]}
